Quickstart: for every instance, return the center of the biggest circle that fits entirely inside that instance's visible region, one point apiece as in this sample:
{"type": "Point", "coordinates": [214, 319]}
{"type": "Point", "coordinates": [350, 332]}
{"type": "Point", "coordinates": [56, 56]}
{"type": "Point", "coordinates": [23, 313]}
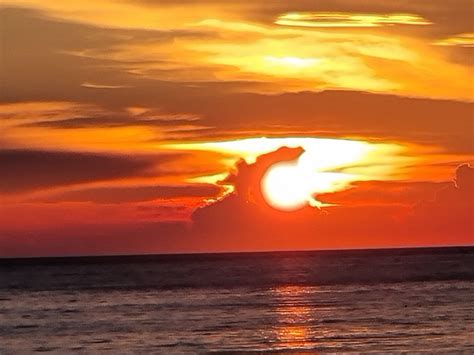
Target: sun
{"type": "Point", "coordinates": [289, 187]}
{"type": "Point", "coordinates": [284, 188]}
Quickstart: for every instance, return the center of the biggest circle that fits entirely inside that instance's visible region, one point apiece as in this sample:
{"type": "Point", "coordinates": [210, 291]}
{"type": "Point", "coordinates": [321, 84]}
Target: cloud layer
{"type": "Point", "coordinates": [24, 170]}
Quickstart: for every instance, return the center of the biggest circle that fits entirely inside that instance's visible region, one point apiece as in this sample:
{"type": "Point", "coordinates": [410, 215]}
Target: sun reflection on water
{"type": "Point", "coordinates": [293, 328]}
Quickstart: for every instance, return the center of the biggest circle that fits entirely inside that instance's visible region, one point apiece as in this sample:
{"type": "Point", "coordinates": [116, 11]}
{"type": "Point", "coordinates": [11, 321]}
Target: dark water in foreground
{"type": "Point", "coordinates": [377, 300]}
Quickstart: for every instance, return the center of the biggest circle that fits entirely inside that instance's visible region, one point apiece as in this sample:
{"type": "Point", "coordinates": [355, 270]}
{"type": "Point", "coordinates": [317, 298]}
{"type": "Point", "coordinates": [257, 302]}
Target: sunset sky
{"type": "Point", "coordinates": [156, 126]}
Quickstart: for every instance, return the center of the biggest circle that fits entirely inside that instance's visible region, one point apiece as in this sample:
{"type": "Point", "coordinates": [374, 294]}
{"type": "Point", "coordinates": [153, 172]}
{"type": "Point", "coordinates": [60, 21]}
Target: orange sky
{"type": "Point", "coordinates": [135, 126]}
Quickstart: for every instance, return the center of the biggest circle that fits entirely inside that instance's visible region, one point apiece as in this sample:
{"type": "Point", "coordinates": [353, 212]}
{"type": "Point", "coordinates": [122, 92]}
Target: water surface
{"type": "Point", "coordinates": [377, 300]}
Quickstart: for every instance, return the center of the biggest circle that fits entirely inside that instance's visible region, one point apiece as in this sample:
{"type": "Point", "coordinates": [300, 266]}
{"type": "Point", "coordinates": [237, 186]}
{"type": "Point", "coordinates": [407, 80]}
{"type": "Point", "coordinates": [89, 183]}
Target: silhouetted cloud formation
{"type": "Point", "coordinates": [239, 219]}
{"type": "Point", "coordinates": [451, 210]}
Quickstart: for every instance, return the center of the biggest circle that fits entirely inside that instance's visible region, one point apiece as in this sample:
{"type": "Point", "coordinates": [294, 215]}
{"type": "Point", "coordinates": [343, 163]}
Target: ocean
{"type": "Point", "coordinates": [390, 300]}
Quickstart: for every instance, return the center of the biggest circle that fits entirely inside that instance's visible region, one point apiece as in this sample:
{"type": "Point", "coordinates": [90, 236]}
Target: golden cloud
{"type": "Point", "coordinates": [207, 45]}
{"type": "Point", "coordinates": [460, 40]}
{"type": "Point", "coordinates": [346, 19]}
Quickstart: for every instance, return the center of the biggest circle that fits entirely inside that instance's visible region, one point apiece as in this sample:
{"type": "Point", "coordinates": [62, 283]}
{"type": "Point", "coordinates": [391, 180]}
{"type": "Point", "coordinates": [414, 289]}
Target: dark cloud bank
{"type": "Point", "coordinates": [27, 170]}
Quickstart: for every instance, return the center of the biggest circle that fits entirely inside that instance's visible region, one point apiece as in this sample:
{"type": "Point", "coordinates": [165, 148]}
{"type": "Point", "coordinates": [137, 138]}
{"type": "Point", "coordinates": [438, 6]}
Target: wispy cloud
{"type": "Point", "coordinates": [460, 40]}
{"type": "Point", "coordinates": [238, 55]}
{"type": "Point", "coordinates": [347, 19]}
{"type": "Point", "coordinates": [104, 86]}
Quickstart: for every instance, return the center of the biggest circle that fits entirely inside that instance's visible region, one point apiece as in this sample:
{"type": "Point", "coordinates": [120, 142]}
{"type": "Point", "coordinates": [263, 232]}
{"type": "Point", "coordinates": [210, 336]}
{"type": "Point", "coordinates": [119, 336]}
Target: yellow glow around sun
{"type": "Point", "coordinates": [288, 65]}
{"type": "Point", "coordinates": [326, 165]}
{"type": "Point", "coordinates": [325, 152]}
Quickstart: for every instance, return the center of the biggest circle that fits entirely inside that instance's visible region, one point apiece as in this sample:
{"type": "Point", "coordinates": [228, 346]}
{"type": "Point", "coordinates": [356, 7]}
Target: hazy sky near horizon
{"type": "Point", "coordinates": [131, 126]}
